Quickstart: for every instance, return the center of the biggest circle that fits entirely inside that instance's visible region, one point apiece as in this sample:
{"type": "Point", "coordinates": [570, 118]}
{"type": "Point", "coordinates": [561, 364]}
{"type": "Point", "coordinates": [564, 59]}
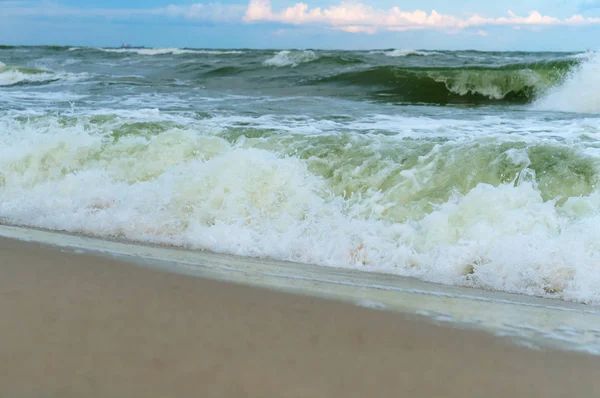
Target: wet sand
{"type": "Point", "coordinates": [80, 325]}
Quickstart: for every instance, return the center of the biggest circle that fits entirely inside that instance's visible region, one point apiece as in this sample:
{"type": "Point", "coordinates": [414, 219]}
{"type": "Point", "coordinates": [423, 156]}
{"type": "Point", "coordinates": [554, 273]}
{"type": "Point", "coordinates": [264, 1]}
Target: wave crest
{"type": "Point", "coordinates": [161, 51]}
{"type": "Point", "coordinates": [511, 83]}
{"type": "Point", "coordinates": [407, 53]}
{"type": "Point", "coordinates": [579, 92]}
{"type": "Point", "coordinates": [291, 58]}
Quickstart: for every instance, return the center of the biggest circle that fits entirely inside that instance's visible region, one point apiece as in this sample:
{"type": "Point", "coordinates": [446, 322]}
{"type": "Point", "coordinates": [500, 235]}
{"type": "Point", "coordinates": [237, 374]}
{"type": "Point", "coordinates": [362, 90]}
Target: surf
{"type": "Point", "coordinates": [342, 159]}
{"type": "Point", "coordinates": [580, 90]}
{"type": "Point", "coordinates": [493, 212]}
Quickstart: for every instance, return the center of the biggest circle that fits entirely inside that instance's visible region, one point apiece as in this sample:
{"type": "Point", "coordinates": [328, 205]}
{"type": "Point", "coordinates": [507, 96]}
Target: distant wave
{"type": "Point", "coordinates": [291, 58]}
{"type": "Point", "coordinates": [407, 53]}
{"type": "Point", "coordinates": [159, 51]}
{"type": "Point", "coordinates": [559, 83]}
{"type": "Point", "coordinates": [585, 56]}
{"type": "Point", "coordinates": [519, 83]}
{"type": "Point", "coordinates": [296, 58]}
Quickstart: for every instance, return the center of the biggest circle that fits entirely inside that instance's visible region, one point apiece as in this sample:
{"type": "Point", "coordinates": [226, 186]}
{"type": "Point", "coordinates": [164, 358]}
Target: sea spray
{"type": "Point", "coordinates": [580, 91]}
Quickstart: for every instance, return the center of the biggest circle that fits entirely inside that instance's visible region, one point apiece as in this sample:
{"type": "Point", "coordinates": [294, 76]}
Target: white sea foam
{"type": "Point", "coordinates": [580, 91]}
{"type": "Point", "coordinates": [9, 77]}
{"type": "Point", "coordinates": [191, 187]}
{"type": "Point", "coordinates": [406, 53]}
{"type": "Point", "coordinates": [164, 51]}
{"type": "Point", "coordinates": [291, 58]}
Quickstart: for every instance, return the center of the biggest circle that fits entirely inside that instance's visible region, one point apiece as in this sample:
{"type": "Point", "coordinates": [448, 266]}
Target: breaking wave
{"type": "Point", "coordinates": [519, 83]}
{"type": "Point", "coordinates": [519, 215]}
{"type": "Point", "coordinates": [159, 51]}
{"type": "Point", "coordinates": [291, 58]}
{"type": "Point", "coordinates": [579, 92]}
{"type": "Point", "coordinates": [290, 155]}
{"type": "Point", "coordinates": [408, 53]}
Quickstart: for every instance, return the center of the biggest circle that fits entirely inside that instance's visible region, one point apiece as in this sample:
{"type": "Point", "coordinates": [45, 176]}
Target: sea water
{"type": "Point", "coordinates": [464, 168]}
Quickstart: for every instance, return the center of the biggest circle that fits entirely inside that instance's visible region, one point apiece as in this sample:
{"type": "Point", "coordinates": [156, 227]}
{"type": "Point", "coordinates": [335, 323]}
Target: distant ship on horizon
{"type": "Point", "coordinates": [125, 45]}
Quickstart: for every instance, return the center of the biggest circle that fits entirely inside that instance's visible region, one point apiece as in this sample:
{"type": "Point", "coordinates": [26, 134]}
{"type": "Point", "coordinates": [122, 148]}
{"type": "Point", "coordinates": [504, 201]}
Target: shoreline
{"type": "Point", "coordinates": [87, 325]}
{"type": "Point", "coordinates": [526, 320]}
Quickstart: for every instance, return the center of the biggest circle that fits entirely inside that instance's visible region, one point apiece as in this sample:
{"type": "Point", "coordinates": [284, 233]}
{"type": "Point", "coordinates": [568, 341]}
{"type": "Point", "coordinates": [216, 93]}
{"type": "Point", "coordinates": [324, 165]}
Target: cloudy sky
{"type": "Point", "coordinates": [362, 24]}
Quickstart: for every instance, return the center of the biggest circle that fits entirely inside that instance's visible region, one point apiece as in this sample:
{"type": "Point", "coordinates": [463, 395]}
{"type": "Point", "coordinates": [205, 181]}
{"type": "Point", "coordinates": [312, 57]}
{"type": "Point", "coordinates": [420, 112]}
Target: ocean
{"type": "Point", "coordinates": [465, 168]}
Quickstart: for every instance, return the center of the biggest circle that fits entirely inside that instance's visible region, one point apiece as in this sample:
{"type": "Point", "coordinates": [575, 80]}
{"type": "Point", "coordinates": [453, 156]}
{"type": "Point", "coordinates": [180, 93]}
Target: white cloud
{"type": "Point", "coordinates": [355, 17]}
{"type": "Point", "coordinates": [258, 10]}
{"type": "Point", "coordinates": [357, 29]}
{"type": "Point", "coordinates": [580, 20]}
{"type": "Point", "coordinates": [362, 18]}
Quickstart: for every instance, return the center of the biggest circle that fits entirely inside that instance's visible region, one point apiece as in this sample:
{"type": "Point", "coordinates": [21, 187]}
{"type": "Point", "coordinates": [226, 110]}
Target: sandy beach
{"type": "Point", "coordinates": [79, 325]}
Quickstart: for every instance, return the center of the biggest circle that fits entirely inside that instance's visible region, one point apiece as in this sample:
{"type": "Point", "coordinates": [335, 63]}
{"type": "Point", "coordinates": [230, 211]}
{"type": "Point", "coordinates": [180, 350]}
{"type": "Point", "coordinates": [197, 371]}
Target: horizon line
{"type": "Point", "coordinates": [299, 48]}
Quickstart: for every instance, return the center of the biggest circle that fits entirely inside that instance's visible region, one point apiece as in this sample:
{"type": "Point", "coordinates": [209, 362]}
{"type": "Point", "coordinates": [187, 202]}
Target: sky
{"type": "Point", "coordinates": [528, 25]}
